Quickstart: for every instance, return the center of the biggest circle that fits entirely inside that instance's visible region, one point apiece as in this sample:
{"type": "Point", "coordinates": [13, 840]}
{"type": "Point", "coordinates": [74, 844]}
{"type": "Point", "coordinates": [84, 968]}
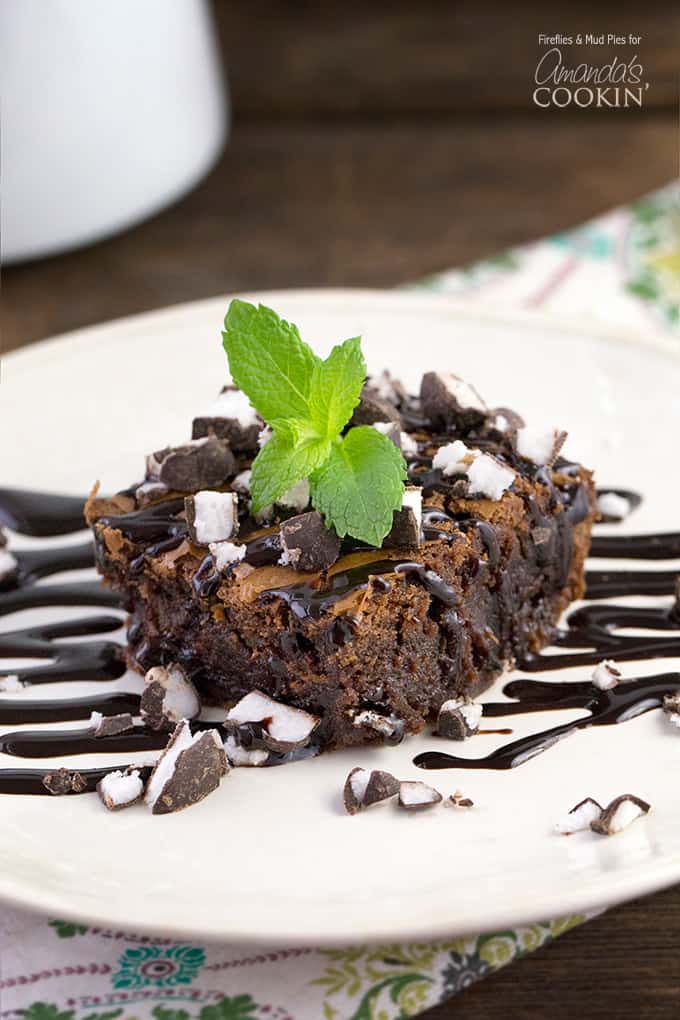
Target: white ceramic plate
{"type": "Point", "coordinates": [271, 858]}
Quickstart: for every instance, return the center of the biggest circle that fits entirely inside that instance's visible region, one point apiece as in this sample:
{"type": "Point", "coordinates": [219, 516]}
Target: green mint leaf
{"type": "Point", "coordinates": [336, 387]}
{"type": "Point", "coordinates": [360, 485]}
{"type": "Point", "coordinates": [269, 361]}
{"type": "Point", "coordinates": [281, 463]}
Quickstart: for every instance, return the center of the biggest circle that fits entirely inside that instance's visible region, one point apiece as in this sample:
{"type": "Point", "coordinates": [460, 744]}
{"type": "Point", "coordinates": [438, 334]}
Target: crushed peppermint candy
{"type": "Point", "coordinates": [581, 817]}
{"type": "Point", "coordinates": [119, 790]}
{"type": "Point", "coordinates": [226, 553]}
{"type": "Point", "coordinates": [10, 684]}
{"type": "Point", "coordinates": [485, 474]}
{"type": "Point", "coordinates": [542, 445]}
{"type": "Point", "coordinates": [212, 516]}
{"type": "Point", "coordinates": [606, 675]}
{"type": "Point", "coordinates": [613, 506]}
{"type": "Point", "coordinates": [619, 814]}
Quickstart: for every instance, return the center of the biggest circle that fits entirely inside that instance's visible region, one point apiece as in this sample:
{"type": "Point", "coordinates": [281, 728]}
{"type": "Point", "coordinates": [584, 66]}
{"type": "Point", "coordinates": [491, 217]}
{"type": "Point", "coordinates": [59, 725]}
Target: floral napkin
{"type": "Point", "coordinates": [621, 270]}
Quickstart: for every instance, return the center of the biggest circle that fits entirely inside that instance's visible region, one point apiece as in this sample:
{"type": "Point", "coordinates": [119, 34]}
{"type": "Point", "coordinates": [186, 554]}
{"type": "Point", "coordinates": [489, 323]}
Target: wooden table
{"type": "Point", "coordinates": [350, 199]}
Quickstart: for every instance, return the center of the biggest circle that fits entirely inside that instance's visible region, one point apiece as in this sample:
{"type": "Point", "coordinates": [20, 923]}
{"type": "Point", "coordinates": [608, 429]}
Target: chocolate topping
{"type": "Point", "coordinates": [447, 400]}
{"type": "Point", "coordinates": [373, 408]}
{"type": "Point", "coordinates": [307, 544]}
{"type": "Point", "coordinates": [203, 464]}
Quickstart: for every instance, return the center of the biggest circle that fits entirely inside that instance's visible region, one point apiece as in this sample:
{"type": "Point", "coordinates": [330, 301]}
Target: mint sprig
{"type": "Point", "coordinates": [356, 480]}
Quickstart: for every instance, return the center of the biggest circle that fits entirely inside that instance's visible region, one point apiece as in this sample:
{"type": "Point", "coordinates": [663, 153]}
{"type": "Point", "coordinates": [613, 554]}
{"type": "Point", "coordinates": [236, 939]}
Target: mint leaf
{"type": "Point", "coordinates": [360, 485]}
{"type": "Point", "coordinates": [336, 386]}
{"type": "Point", "coordinates": [282, 462]}
{"type": "Point", "coordinates": [268, 361]}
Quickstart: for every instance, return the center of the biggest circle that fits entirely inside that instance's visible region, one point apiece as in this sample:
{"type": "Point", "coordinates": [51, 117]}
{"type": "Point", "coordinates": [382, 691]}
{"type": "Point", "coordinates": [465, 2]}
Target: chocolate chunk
{"type": "Point", "coordinates": [307, 543]}
{"type": "Point", "coordinates": [415, 796]}
{"type": "Point", "coordinates": [381, 786]}
{"type": "Point", "coordinates": [111, 725]}
{"type": "Point", "coordinates": [406, 523]}
{"type": "Point", "coordinates": [619, 814]}
{"type": "Point", "coordinates": [364, 787]}
{"type": "Point", "coordinates": [458, 719]}
{"type": "Point", "coordinates": [61, 782]}
{"type": "Point", "coordinates": [448, 400]}
{"type": "Point", "coordinates": [189, 769]}
{"type": "Point", "coordinates": [168, 696]}
{"type": "Point", "coordinates": [211, 516]}
{"type": "Point", "coordinates": [231, 418]}
{"type": "Point", "coordinates": [202, 464]}
{"type": "Point", "coordinates": [373, 408]}
{"type": "Point", "coordinates": [458, 799]}
{"type": "Point", "coordinates": [118, 790]}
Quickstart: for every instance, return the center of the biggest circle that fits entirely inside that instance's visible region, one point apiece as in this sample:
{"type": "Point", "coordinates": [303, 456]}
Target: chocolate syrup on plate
{"type": "Point", "coordinates": [592, 632]}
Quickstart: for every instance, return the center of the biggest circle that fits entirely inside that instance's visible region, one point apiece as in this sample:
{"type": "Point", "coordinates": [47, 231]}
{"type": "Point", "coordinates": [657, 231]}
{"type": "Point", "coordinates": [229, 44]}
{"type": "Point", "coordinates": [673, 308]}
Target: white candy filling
{"type": "Point", "coordinates": [489, 477]}
{"type": "Point", "coordinates": [385, 427]}
{"type": "Point", "coordinates": [674, 718]}
{"type": "Point", "coordinates": [461, 391]}
{"type": "Point", "coordinates": [96, 720]}
{"type": "Point", "coordinates": [234, 404]}
{"type": "Point", "coordinates": [243, 756]}
{"type": "Point", "coordinates": [226, 553]}
{"type": "Point", "coordinates": [610, 504]}
{"type": "Point", "coordinates": [297, 497]}
{"type": "Point", "coordinates": [120, 788]}
{"type": "Point", "coordinates": [579, 818]}
{"type": "Point", "coordinates": [242, 481]}
{"type": "Point", "coordinates": [180, 700]}
{"type": "Point", "coordinates": [412, 499]}
{"type": "Point", "coordinates": [414, 793]}
{"type": "Point", "coordinates": [383, 386]}
{"type": "Point", "coordinates": [10, 684]}
{"type": "Point", "coordinates": [409, 446]}
{"type": "Point", "coordinates": [289, 725]}
{"type": "Point", "coordinates": [537, 444]}
{"type": "Point", "coordinates": [359, 782]}
{"type": "Point", "coordinates": [605, 675]}
{"type": "Point", "coordinates": [215, 516]}
{"type": "Point", "coordinates": [485, 474]}
{"type": "Point", "coordinates": [263, 436]}
{"type": "Point", "coordinates": [626, 813]}
{"type": "Point", "coordinates": [454, 458]}
{"type": "Point", "coordinates": [8, 564]}
{"type": "Point", "coordinates": [501, 423]}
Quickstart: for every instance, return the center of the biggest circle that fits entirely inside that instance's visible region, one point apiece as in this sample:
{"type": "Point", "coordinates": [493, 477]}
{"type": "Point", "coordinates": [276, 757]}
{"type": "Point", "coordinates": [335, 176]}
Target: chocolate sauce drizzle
{"type": "Point", "coordinates": [592, 631]}
{"type": "Point", "coordinates": [604, 708]}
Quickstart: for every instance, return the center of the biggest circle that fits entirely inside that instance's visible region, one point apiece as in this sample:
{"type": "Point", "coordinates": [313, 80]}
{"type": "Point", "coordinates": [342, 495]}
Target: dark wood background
{"type": "Point", "coordinates": [374, 143]}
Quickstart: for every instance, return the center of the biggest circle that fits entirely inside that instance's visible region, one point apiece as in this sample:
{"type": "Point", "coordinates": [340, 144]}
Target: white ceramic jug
{"type": "Point", "coordinates": [111, 109]}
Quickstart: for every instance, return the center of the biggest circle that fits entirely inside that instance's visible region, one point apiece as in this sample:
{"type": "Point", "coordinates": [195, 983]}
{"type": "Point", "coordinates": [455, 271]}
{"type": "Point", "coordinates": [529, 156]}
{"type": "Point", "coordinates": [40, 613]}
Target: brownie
{"type": "Point", "coordinates": [372, 641]}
